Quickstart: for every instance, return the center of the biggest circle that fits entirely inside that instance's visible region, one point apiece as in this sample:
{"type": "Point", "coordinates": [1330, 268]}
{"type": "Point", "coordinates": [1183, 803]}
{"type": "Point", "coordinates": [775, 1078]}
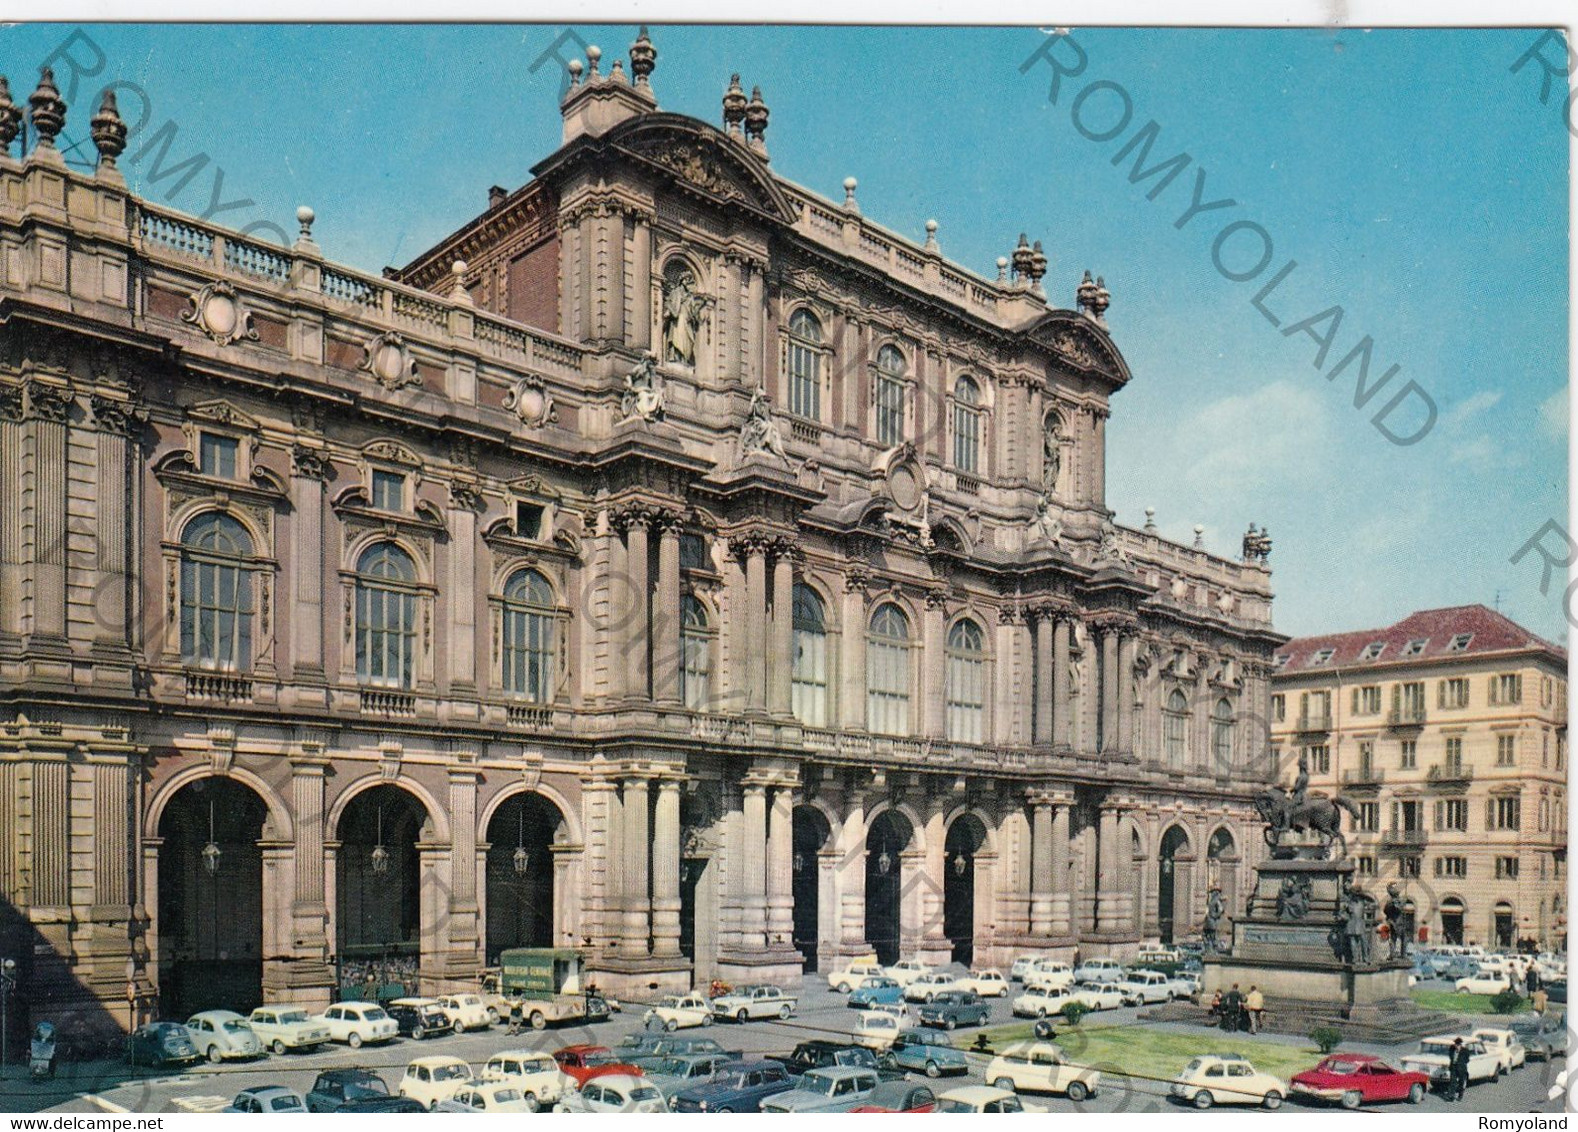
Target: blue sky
{"type": "Point", "coordinates": [1417, 183]}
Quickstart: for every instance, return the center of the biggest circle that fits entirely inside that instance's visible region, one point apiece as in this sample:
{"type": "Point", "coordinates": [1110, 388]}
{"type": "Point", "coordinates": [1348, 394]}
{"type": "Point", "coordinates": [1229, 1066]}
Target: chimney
{"type": "Point", "coordinates": [496, 196]}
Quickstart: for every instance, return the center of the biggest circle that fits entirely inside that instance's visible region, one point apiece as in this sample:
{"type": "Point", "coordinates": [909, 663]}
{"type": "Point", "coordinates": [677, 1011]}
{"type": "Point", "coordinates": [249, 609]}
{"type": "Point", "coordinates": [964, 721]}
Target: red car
{"type": "Point", "coordinates": [899, 1096]}
{"type": "Point", "coordinates": [1353, 1079]}
{"type": "Point", "coordinates": [584, 1062]}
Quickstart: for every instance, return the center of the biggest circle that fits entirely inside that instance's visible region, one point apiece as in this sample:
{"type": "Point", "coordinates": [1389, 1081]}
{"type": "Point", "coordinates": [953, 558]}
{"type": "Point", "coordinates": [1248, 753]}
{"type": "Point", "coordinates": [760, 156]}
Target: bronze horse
{"type": "Point", "coordinates": [1318, 813]}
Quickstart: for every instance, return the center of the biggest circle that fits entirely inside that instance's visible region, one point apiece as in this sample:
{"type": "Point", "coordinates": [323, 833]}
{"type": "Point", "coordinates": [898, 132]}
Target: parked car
{"type": "Point", "coordinates": [1152, 956]}
{"type": "Point", "coordinates": [535, 1074]}
{"type": "Point", "coordinates": [848, 977]}
{"type": "Point", "coordinates": [1505, 1044]}
{"type": "Point", "coordinates": [1039, 1002]}
{"type": "Point", "coordinates": [988, 984]}
{"type": "Point", "coordinates": [1183, 984]}
{"type": "Point", "coordinates": [740, 1086]}
{"type": "Point", "coordinates": [433, 1079]}
{"type": "Point", "coordinates": [953, 1008]}
{"type": "Point", "coordinates": [1556, 991]}
{"type": "Point", "coordinates": [898, 1096]}
{"type": "Point", "coordinates": [159, 1044]}
{"type": "Point", "coordinates": [1050, 973]}
{"type": "Point", "coordinates": [487, 1096]}
{"type": "Point", "coordinates": [835, 1089]}
{"type": "Point", "coordinates": [925, 985]}
{"type": "Point", "coordinates": [223, 1035]}
{"type": "Point", "coordinates": [1226, 1078]}
{"type": "Point", "coordinates": [679, 1012]}
{"type": "Point", "coordinates": [367, 1104]}
{"type": "Point", "coordinates": [876, 1029]}
{"type": "Point", "coordinates": [876, 989]}
{"type": "Point", "coordinates": [1483, 983]}
{"type": "Point", "coordinates": [759, 1001]}
{"type": "Point", "coordinates": [906, 971]}
{"type": "Point", "coordinates": [1041, 1067]}
{"type": "Point", "coordinates": [418, 1021]}
{"type": "Point", "coordinates": [1354, 1079]}
{"type": "Point", "coordinates": [1099, 971]}
{"type": "Point", "coordinates": [1543, 1038]}
{"type": "Point", "coordinates": [649, 1042]}
{"type": "Point", "coordinates": [1142, 987]}
{"type": "Point", "coordinates": [924, 1051]}
{"type": "Point", "coordinates": [266, 1099]}
{"type": "Point", "coordinates": [467, 1011]}
{"type": "Point", "coordinates": [1021, 967]}
{"type": "Point", "coordinates": [288, 1027]}
{"type": "Point", "coordinates": [820, 1053]}
{"type": "Point", "coordinates": [335, 1087]}
{"type": "Point", "coordinates": [581, 1063]}
{"type": "Point", "coordinates": [1099, 996]}
{"type": "Point", "coordinates": [1434, 1055]}
{"type": "Point", "coordinates": [357, 1022]}
{"type": "Point", "coordinates": [672, 1073]}
{"type": "Point", "coordinates": [615, 1092]}
{"type": "Point", "coordinates": [983, 1098]}
{"type": "Point", "coordinates": [1457, 967]}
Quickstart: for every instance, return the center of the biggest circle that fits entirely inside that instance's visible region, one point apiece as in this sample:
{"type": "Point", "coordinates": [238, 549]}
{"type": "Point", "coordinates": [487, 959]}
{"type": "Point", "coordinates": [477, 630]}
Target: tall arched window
{"type": "Point", "coordinates": [386, 616]}
{"type": "Point", "coordinates": [216, 594]}
{"type": "Point", "coordinates": [966, 683]}
{"type": "Point", "coordinates": [805, 364]}
{"type": "Point", "coordinates": [891, 368]}
{"type": "Point", "coordinates": [967, 425]}
{"type": "Point", "coordinates": [695, 649]}
{"type": "Point", "coordinates": [1222, 735]}
{"type": "Point", "coordinates": [888, 672]}
{"type": "Point", "coordinates": [528, 636]}
{"type": "Point", "coordinates": [808, 677]}
{"type": "Point", "coordinates": [1175, 730]}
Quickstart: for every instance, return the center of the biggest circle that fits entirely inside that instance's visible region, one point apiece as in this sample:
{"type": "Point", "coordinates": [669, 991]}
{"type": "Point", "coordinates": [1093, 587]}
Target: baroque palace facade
{"type": "Point", "coordinates": [671, 564]}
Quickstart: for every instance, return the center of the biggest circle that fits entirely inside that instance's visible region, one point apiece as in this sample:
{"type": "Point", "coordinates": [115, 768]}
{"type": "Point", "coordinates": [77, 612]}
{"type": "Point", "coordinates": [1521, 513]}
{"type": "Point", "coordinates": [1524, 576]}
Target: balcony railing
{"type": "Point", "coordinates": [1409, 715]}
{"type": "Point", "coordinates": [384, 701]}
{"type": "Point", "coordinates": [1449, 772]}
{"type": "Point", "coordinates": [1404, 838]}
{"type": "Point", "coordinates": [1315, 721]}
{"type": "Point", "coordinates": [220, 686]}
{"type": "Point", "coordinates": [530, 717]}
{"type": "Point", "coordinates": [1364, 776]}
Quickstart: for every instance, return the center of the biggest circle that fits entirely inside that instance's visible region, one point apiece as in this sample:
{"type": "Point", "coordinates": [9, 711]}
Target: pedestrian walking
{"type": "Point", "coordinates": [515, 1017]}
{"type": "Point", "coordinates": [1256, 1005]}
{"type": "Point", "coordinates": [1233, 1010]}
{"type": "Point", "coordinates": [1539, 1001]}
{"type": "Point", "coordinates": [1457, 1067]}
{"type": "Point", "coordinates": [1531, 979]}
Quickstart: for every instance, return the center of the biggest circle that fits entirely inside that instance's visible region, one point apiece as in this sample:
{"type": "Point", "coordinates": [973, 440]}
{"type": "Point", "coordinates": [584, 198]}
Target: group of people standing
{"type": "Point", "coordinates": [1237, 1011]}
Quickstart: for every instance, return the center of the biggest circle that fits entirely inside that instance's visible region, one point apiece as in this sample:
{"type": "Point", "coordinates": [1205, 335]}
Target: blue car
{"type": "Point", "coordinates": [925, 1051]}
{"type": "Point", "coordinates": [875, 990]}
{"type": "Point", "coordinates": [739, 1086]}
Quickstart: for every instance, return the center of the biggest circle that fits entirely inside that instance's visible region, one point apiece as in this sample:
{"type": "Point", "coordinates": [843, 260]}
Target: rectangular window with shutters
{"type": "Point", "coordinates": [1408, 757]}
{"type": "Point", "coordinates": [1366, 866]}
{"type": "Point", "coordinates": [1454, 753]}
{"type": "Point", "coordinates": [1456, 867]}
{"type": "Point", "coordinates": [1408, 866]}
{"type": "Point", "coordinates": [1503, 813]}
{"type": "Point", "coordinates": [1369, 817]}
{"type": "Point", "coordinates": [1366, 757]}
{"type": "Point", "coordinates": [1452, 814]}
{"type": "Point", "coordinates": [1453, 693]}
{"type": "Point", "coordinates": [1506, 868]}
{"type": "Point", "coordinates": [1367, 700]}
{"type": "Point", "coordinates": [1506, 750]}
{"type": "Point", "coordinates": [1319, 758]}
{"type": "Point", "coordinates": [1279, 707]}
{"type": "Point", "coordinates": [1506, 688]}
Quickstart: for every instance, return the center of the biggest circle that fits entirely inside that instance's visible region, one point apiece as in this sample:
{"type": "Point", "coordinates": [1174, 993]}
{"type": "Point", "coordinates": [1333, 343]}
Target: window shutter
{"type": "Point", "coordinates": [1490, 813]}
{"type": "Point", "coordinates": [1441, 693]}
{"type": "Point", "coordinates": [1397, 696]}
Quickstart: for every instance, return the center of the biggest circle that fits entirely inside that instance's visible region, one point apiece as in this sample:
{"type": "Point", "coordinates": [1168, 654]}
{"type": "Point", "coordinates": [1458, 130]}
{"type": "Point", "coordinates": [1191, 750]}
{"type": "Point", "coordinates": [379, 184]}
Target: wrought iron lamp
{"type": "Point", "coordinates": [379, 858]}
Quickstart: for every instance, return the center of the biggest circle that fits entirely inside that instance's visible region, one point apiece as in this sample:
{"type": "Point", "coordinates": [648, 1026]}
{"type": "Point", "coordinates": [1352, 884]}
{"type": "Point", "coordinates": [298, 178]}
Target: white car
{"type": "Point", "coordinates": [617, 1092]}
{"type": "Point", "coordinates": [924, 987]}
{"type": "Point", "coordinates": [679, 1012]}
{"type": "Point", "coordinates": [759, 1001]}
{"type": "Point", "coordinates": [1223, 1078]}
{"type": "Point", "coordinates": [987, 984]}
{"type": "Point", "coordinates": [466, 1011]}
{"type": "Point", "coordinates": [1022, 967]}
{"type": "Point", "coordinates": [1483, 983]}
{"type": "Point", "coordinates": [288, 1027]}
{"type": "Point", "coordinates": [535, 1074]}
{"type": "Point", "coordinates": [429, 1080]}
{"type": "Point", "coordinates": [487, 1096]}
{"type": "Point", "coordinates": [1434, 1058]}
{"type": "Point", "coordinates": [848, 977]}
{"type": "Point", "coordinates": [1099, 996]}
{"type": "Point", "coordinates": [1149, 955]}
{"type": "Point", "coordinates": [1099, 971]}
{"type": "Point", "coordinates": [1039, 1002]}
{"type": "Point", "coordinates": [876, 1029]}
{"type": "Point", "coordinates": [357, 1022]}
{"type": "Point", "coordinates": [906, 971]}
{"type": "Point", "coordinates": [1041, 1067]}
{"type": "Point", "coordinates": [223, 1035]}
{"type": "Point", "coordinates": [1146, 986]}
{"type": "Point", "coordinates": [1050, 973]}
{"type": "Point", "coordinates": [1505, 1044]}
{"type": "Point", "coordinates": [983, 1098]}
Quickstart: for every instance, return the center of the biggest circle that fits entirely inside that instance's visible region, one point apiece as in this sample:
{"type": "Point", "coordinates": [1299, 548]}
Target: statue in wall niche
{"type": "Point", "coordinates": [644, 396]}
{"type": "Point", "coordinates": [1051, 455]}
{"type": "Point", "coordinates": [1293, 899]}
{"type": "Point", "coordinates": [683, 306]}
{"type": "Point", "coordinates": [1048, 526]}
{"type": "Point", "coordinates": [760, 432]}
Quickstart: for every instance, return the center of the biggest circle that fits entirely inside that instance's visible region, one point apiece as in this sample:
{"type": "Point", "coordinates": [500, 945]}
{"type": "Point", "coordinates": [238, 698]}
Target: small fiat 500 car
{"type": "Point", "coordinates": [876, 1029]}
{"type": "Point", "coordinates": [535, 1074]}
{"type": "Point", "coordinates": [162, 1043]}
{"type": "Point", "coordinates": [355, 1023]}
{"type": "Point", "coordinates": [337, 1088]}
{"type": "Point", "coordinates": [1354, 1079]}
{"type": "Point", "coordinates": [223, 1035]}
{"type": "Point", "coordinates": [418, 1019]}
{"type": "Point", "coordinates": [987, 984]}
{"type": "Point", "coordinates": [466, 1011]}
{"type": "Point", "coordinates": [1041, 1067]}
{"type": "Point", "coordinates": [740, 1086]}
{"type": "Point", "coordinates": [486, 1096]}
{"type": "Point", "coordinates": [679, 1012]}
{"type": "Point", "coordinates": [1039, 1002]}
{"type": "Point", "coordinates": [288, 1027]}
{"type": "Point", "coordinates": [925, 986]}
{"type": "Point", "coordinates": [1098, 996]}
{"type": "Point", "coordinates": [1099, 971]}
{"type": "Point", "coordinates": [899, 1096]}
{"type": "Point", "coordinates": [876, 990]}
{"type": "Point", "coordinates": [953, 1008]}
{"type": "Point", "coordinates": [616, 1092]}
{"type": "Point", "coordinates": [1505, 1044]}
{"type": "Point", "coordinates": [847, 978]}
{"type": "Point", "coordinates": [583, 1062]}
{"type": "Point", "coordinates": [906, 971]}
{"type": "Point", "coordinates": [1483, 982]}
{"type": "Point", "coordinates": [267, 1098]}
{"type": "Point", "coordinates": [750, 1002]}
{"type": "Point", "coordinates": [1226, 1078]}
{"type": "Point", "coordinates": [433, 1079]}
{"type": "Point", "coordinates": [983, 1098]}
{"type": "Point", "coordinates": [925, 1051]}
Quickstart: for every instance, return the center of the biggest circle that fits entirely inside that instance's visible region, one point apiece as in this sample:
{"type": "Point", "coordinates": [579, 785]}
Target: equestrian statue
{"type": "Point", "coordinates": [1297, 810]}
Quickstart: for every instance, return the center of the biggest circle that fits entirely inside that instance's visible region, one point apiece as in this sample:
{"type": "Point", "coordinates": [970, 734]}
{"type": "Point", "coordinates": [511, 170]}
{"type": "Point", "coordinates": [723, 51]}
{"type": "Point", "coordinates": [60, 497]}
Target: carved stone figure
{"type": "Point", "coordinates": [1397, 930]}
{"type": "Point", "coordinates": [1356, 926]}
{"type": "Point", "coordinates": [1296, 811]}
{"type": "Point", "coordinates": [1051, 455]}
{"type": "Point", "coordinates": [682, 310]}
{"type": "Point", "coordinates": [760, 432]}
{"type": "Point", "coordinates": [1214, 912]}
{"type": "Point", "coordinates": [1110, 551]}
{"type": "Point", "coordinates": [1050, 527]}
{"type": "Point", "coordinates": [644, 395]}
{"type": "Point", "coordinates": [1293, 899]}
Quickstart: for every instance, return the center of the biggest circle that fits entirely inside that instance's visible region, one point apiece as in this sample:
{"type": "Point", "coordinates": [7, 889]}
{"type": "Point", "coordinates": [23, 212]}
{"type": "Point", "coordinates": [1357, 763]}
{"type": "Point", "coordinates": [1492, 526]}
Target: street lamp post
{"type": "Point", "coordinates": [7, 982]}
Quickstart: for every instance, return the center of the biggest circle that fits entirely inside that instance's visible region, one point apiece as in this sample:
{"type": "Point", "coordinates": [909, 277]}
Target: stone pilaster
{"type": "Point", "coordinates": [666, 617]}
{"type": "Point", "coordinates": [781, 655]}
{"type": "Point", "coordinates": [464, 944]}
{"type": "Point", "coordinates": [637, 658]}
{"type": "Point", "coordinates": [1064, 728]}
{"type": "Point", "coordinates": [665, 870]}
{"type": "Point", "coordinates": [780, 869]}
{"type": "Point", "coordinates": [1045, 710]}
{"type": "Point", "coordinates": [752, 860]}
{"type": "Point", "coordinates": [634, 940]}
{"type": "Point", "coordinates": [1061, 921]}
{"type": "Point", "coordinates": [308, 469]}
{"type": "Point", "coordinates": [1042, 876]}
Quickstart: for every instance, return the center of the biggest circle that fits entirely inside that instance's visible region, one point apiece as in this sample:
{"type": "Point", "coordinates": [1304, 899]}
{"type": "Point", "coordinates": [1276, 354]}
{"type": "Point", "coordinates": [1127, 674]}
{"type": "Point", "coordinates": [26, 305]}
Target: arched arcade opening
{"type": "Point", "coordinates": [888, 837]}
{"type": "Point", "coordinates": [966, 838]}
{"type": "Point", "coordinates": [811, 835]}
{"type": "Point", "coordinates": [520, 873]}
{"type": "Point", "coordinates": [378, 901]}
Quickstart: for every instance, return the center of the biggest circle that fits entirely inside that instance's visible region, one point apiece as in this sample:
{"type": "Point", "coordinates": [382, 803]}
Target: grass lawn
{"type": "Point", "coordinates": [1451, 1002]}
{"type": "Point", "coordinates": [1138, 1050]}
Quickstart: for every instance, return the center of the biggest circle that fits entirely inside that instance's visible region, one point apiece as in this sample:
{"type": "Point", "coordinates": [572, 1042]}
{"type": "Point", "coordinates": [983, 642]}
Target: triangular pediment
{"type": "Point", "coordinates": [1080, 345]}
{"type": "Point", "coordinates": [700, 159]}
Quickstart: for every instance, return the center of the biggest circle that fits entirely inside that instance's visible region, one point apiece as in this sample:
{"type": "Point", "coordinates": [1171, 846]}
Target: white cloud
{"type": "Point", "coordinates": [1554, 418]}
{"type": "Point", "coordinates": [1466, 410]}
{"type": "Point", "coordinates": [1248, 441]}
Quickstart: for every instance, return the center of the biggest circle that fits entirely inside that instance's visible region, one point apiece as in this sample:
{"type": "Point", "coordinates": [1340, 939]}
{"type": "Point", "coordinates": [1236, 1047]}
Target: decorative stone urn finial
{"type": "Point", "coordinates": [109, 132]}
{"type": "Point", "coordinates": [593, 54]}
{"type": "Point", "coordinates": [1038, 268]}
{"type": "Point", "coordinates": [1002, 269]}
{"type": "Point", "coordinates": [1101, 301]}
{"type": "Point", "coordinates": [46, 110]}
{"type": "Point", "coordinates": [10, 118]}
{"type": "Point", "coordinates": [643, 58]}
{"type": "Point", "coordinates": [931, 236]}
{"type": "Point", "coordinates": [850, 203]}
{"type": "Point", "coordinates": [1085, 295]}
{"type": "Point", "coordinates": [575, 67]}
{"type": "Point", "coordinates": [1022, 258]}
{"type": "Point", "coordinates": [756, 113]}
{"type": "Point", "coordinates": [457, 290]}
{"type": "Point", "coordinates": [733, 106]}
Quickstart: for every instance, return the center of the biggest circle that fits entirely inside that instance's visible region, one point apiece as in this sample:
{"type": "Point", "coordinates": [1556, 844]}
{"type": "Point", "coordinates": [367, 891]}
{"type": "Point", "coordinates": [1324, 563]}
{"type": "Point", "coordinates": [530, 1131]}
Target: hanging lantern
{"type": "Point", "coordinates": [379, 858]}
{"type": "Point", "coordinates": [884, 862]}
{"type": "Point", "coordinates": [799, 862]}
{"type": "Point", "coordinates": [521, 858]}
{"type": "Point", "coordinates": [211, 853]}
{"type": "Point", "coordinates": [960, 863]}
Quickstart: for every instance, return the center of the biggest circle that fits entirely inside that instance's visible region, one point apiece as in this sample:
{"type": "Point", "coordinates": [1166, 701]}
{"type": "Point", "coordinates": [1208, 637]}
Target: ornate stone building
{"type": "Point", "coordinates": [672, 564]}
